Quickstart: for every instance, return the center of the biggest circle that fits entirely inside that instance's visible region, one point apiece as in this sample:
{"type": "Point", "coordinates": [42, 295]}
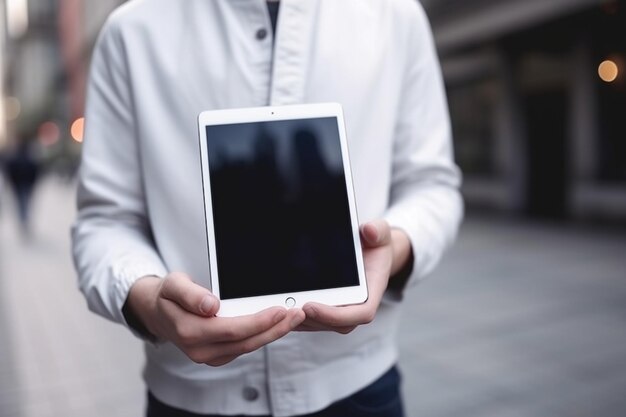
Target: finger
{"type": "Point", "coordinates": [312, 326]}
{"type": "Point", "coordinates": [376, 233]}
{"type": "Point", "coordinates": [234, 329]}
{"type": "Point", "coordinates": [305, 328]}
{"type": "Point", "coordinates": [292, 319]}
{"type": "Point", "coordinates": [378, 263]}
{"type": "Point", "coordinates": [222, 360]}
{"type": "Point", "coordinates": [309, 325]}
{"type": "Point", "coordinates": [194, 298]}
{"type": "Point", "coordinates": [338, 317]}
{"type": "Point", "coordinates": [192, 331]}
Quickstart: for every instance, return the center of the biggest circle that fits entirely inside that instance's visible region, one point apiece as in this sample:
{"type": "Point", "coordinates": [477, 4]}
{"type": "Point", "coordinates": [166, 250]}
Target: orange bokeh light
{"type": "Point", "coordinates": [608, 71]}
{"type": "Point", "coordinates": [78, 128]}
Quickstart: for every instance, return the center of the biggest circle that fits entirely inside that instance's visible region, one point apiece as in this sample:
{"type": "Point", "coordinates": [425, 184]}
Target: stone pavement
{"type": "Point", "coordinates": [520, 320]}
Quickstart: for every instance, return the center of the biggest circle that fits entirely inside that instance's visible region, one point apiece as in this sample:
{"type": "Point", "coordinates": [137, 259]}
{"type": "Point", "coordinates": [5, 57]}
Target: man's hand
{"type": "Point", "coordinates": [385, 252]}
{"type": "Point", "coordinates": [177, 310]}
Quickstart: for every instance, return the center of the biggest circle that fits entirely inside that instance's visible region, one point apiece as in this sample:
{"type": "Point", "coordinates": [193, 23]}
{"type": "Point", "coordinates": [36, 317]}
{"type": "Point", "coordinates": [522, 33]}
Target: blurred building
{"type": "Point", "coordinates": [537, 130]}
{"type": "Point", "coordinates": [44, 65]}
{"type": "Point", "coordinates": [3, 133]}
{"type": "Point", "coordinates": [539, 123]}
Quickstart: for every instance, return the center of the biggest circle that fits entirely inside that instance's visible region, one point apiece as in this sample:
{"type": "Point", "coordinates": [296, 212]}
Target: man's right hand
{"type": "Point", "coordinates": [176, 309]}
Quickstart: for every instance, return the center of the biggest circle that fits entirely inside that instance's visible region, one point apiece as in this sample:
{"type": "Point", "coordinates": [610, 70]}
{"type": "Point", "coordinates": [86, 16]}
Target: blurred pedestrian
{"type": "Point", "coordinates": [22, 171]}
{"type": "Point", "coordinates": [156, 66]}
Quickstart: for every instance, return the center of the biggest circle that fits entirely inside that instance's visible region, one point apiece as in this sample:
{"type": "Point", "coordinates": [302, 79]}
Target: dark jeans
{"type": "Point", "coordinates": [379, 399]}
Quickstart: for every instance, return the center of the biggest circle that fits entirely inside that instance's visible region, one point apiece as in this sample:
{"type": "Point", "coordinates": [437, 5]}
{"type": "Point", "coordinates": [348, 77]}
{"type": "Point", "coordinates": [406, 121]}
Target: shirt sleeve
{"type": "Point", "coordinates": [424, 200]}
{"type": "Point", "coordinates": [111, 237]}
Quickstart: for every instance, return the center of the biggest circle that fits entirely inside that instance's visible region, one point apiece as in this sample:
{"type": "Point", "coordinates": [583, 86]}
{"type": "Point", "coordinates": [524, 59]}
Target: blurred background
{"type": "Point", "coordinates": [525, 316]}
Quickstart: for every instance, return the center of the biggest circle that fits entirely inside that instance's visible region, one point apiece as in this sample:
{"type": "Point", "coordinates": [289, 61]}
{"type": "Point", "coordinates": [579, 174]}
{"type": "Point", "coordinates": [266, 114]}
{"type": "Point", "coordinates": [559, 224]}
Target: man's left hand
{"type": "Point", "coordinates": [382, 256]}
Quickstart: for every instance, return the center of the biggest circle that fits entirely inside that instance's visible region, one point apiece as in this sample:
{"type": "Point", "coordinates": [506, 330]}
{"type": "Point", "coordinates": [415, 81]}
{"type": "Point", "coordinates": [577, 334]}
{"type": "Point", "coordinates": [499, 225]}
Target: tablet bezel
{"type": "Point", "coordinates": [249, 305]}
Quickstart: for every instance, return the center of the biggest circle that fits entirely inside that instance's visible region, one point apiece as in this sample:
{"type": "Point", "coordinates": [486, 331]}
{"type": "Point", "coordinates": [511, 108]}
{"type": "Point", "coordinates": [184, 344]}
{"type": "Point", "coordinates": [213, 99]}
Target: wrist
{"type": "Point", "coordinates": [401, 250]}
{"type": "Point", "coordinates": [140, 306]}
{"type": "Point", "coordinates": [402, 263]}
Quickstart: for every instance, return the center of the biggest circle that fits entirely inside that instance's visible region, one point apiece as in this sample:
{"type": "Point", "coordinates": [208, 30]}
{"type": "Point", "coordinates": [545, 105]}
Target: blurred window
{"type": "Point", "coordinates": [472, 108]}
{"type": "Point", "coordinates": [612, 144]}
{"type": "Point", "coordinates": [610, 44]}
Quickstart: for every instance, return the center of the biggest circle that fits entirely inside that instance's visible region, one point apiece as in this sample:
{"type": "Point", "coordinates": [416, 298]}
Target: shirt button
{"type": "Point", "coordinates": [250, 394]}
{"type": "Point", "coordinates": [261, 34]}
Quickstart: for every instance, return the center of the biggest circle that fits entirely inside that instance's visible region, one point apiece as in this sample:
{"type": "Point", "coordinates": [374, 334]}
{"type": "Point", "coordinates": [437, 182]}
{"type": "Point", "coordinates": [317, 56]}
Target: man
{"type": "Point", "coordinates": [156, 66]}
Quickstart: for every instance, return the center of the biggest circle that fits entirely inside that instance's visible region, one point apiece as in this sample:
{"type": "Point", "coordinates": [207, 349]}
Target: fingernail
{"type": "Point", "coordinates": [367, 235]}
{"type": "Point", "coordinates": [279, 316]}
{"type": "Point", "coordinates": [207, 304]}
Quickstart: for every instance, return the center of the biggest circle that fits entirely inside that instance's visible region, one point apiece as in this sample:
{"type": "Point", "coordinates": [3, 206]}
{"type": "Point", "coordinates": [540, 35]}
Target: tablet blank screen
{"type": "Point", "coordinates": [280, 208]}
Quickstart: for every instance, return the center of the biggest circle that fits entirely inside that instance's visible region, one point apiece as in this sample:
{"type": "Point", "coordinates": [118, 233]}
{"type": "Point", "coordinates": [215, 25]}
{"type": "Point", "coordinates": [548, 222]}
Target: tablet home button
{"type": "Point", "coordinates": [290, 302]}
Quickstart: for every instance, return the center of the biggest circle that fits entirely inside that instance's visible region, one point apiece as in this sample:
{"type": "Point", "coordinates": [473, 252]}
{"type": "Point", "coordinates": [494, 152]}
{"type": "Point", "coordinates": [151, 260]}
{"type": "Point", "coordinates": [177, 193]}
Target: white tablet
{"type": "Point", "coordinates": [281, 219]}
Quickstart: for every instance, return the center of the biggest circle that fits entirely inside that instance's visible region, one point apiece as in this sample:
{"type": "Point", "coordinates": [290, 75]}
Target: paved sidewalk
{"type": "Point", "coordinates": [520, 320]}
{"type": "Point", "coordinates": [57, 359]}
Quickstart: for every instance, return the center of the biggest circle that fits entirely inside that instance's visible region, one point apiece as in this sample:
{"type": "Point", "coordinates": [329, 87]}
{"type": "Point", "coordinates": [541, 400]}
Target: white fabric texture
{"type": "Point", "coordinates": [158, 64]}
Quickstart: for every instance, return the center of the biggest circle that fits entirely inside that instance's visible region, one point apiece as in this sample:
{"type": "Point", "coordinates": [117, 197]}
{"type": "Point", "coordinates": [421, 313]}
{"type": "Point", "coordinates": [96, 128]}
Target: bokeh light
{"type": "Point", "coordinates": [48, 133]}
{"type": "Point", "coordinates": [16, 17]}
{"type": "Point", "coordinates": [608, 71]}
{"type": "Point", "coordinates": [77, 129]}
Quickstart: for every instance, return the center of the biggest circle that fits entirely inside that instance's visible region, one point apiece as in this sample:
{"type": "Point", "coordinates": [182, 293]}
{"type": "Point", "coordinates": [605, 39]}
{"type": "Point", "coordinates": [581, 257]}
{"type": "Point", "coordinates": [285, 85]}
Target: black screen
{"type": "Point", "coordinates": [280, 207]}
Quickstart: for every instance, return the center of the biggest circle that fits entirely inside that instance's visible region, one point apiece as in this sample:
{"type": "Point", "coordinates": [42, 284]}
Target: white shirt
{"type": "Point", "coordinates": [156, 66]}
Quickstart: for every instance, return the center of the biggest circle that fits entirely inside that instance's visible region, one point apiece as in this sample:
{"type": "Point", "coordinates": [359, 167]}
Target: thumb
{"type": "Point", "coordinates": [180, 289]}
{"type": "Point", "coordinates": [376, 233]}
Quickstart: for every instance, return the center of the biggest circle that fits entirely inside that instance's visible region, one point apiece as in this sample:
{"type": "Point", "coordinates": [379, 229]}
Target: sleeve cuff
{"type": "Point", "coordinates": [126, 273]}
{"type": "Point", "coordinates": [431, 225]}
